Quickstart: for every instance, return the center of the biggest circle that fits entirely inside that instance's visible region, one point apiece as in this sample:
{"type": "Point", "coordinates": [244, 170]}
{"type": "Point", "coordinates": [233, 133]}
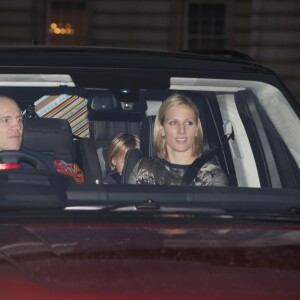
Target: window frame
{"type": "Point", "coordinates": [186, 35]}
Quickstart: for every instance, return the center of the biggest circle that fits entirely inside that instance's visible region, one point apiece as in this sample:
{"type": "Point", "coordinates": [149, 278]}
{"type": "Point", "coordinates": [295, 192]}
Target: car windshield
{"type": "Point", "coordinates": [249, 120]}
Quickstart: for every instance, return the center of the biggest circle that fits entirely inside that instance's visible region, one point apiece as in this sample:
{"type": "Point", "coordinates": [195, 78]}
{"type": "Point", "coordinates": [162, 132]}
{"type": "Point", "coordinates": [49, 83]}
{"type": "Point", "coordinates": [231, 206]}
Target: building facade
{"type": "Point", "coordinates": [267, 30]}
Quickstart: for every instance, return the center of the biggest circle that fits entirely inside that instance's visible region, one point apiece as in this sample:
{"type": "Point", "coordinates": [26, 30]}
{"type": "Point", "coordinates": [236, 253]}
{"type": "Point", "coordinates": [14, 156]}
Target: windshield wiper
{"type": "Point", "coordinates": [182, 206]}
{"type": "Point", "coordinates": [149, 206]}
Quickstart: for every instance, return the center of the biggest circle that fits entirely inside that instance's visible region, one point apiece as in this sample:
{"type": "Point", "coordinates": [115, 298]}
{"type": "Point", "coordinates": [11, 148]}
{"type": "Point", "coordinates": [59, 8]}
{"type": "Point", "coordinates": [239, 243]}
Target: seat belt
{"type": "Point", "coordinates": [193, 169]}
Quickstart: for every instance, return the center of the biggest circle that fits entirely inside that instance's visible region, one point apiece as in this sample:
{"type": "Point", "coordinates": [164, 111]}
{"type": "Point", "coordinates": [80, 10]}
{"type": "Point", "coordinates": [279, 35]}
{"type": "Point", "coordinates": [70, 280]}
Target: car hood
{"type": "Point", "coordinates": [91, 261]}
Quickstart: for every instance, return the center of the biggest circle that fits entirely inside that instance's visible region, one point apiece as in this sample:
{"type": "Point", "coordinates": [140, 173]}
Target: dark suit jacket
{"type": "Point", "coordinates": [47, 159]}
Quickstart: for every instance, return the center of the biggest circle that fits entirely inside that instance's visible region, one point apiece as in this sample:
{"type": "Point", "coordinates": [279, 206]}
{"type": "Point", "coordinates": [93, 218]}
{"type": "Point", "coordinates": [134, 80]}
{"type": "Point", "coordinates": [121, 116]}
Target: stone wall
{"type": "Point", "coordinates": [267, 30]}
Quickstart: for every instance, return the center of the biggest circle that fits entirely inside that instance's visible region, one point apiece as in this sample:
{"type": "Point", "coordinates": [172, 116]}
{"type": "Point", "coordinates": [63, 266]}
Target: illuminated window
{"type": "Point", "coordinates": [67, 22]}
{"type": "Point", "coordinates": [205, 27]}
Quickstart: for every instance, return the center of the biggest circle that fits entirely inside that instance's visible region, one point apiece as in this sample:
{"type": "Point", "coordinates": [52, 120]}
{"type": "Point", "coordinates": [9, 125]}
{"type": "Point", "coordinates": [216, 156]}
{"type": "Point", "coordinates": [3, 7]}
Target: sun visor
{"type": "Point", "coordinates": [104, 106]}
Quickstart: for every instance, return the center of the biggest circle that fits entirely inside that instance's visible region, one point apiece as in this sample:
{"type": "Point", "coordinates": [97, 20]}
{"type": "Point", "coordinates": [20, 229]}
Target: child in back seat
{"type": "Point", "coordinates": [116, 155]}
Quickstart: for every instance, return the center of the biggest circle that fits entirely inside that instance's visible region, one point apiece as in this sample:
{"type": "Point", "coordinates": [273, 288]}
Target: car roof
{"type": "Point", "coordinates": [125, 58]}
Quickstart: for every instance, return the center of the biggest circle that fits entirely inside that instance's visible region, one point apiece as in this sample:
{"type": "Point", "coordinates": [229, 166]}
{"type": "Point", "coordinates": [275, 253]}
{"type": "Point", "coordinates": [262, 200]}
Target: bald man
{"type": "Point", "coordinates": [11, 131]}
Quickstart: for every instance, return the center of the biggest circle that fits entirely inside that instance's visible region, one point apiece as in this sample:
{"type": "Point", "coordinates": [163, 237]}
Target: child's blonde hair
{"type": "Point", "coordinates": [122, 143]}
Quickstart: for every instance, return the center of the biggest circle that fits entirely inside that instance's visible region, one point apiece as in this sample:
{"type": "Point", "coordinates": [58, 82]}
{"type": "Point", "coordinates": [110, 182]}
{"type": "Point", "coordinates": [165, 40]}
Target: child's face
{"type": "Point", "coordinates": [118, 161]}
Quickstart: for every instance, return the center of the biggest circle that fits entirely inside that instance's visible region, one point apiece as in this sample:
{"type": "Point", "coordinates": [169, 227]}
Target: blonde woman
{"type": "Point", "coordinates": [178, 140]}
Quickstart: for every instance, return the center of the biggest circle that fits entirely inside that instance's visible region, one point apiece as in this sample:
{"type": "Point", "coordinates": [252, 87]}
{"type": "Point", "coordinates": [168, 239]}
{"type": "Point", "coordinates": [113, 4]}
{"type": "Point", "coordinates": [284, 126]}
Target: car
{"type": "Point", "coordinates": [71, 235]}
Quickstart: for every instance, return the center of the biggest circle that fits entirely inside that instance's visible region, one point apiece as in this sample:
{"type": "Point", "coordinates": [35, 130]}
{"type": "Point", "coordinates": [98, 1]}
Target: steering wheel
{"type": "Point", "coordinates": [11, 156]}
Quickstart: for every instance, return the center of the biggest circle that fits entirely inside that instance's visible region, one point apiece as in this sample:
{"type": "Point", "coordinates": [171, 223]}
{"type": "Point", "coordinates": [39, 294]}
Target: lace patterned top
{"type": "Point", "coordinates": [161, 172]}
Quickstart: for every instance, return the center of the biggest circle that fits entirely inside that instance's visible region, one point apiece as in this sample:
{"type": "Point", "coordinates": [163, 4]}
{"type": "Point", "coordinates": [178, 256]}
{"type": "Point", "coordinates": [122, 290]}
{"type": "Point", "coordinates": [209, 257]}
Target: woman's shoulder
{"type": "Point", "coordinates": [148, 161]}
{"type": "Point", "coordinates": [144, 171]}
{"type": "Point", "coordinates": [212, 174]}
{"type": "Point", "coordinates": [211, 166]}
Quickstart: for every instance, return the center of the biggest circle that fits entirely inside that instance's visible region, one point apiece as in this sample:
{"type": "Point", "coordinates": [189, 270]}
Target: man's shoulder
{"type": "Point", "coordinates": [33, 152]}
{"type": "Point", "coordinates": [47, 159]}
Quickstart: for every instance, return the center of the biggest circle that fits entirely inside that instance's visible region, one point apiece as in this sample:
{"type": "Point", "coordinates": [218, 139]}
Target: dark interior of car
{"type": "Point", "coordinates": [108, 117]}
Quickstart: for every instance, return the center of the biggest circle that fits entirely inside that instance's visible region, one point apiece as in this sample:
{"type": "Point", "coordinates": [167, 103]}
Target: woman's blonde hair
{"type": "Point", "coordinates": [122, 143]}
{"type": "Point", "coordinates": [159, 140]}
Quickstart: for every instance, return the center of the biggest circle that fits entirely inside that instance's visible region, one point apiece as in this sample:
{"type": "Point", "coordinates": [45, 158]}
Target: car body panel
{"type": "Point", "coordinates": [90, 261]}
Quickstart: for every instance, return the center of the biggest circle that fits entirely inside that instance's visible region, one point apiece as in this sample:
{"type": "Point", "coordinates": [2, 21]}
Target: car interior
{"type": "Point", "coordinates": [59, 138]}
{"type": "Point", "coordinates": [237, 123]}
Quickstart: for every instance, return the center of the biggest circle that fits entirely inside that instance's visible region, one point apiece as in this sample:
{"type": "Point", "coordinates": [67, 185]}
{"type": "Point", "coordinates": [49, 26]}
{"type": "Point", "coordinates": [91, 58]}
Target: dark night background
{"type": "Point", "coordinates": [267, 30]}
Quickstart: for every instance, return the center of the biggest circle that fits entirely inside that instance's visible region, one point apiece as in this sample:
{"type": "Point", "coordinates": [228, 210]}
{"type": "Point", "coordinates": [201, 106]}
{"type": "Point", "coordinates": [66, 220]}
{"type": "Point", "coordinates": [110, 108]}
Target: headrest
{"type": "Point", "coordinates": [50, 136]}
{"type": "Point", "coordinates": [106, 130]}
{"type": "Point", "coordinates": [132, 157]}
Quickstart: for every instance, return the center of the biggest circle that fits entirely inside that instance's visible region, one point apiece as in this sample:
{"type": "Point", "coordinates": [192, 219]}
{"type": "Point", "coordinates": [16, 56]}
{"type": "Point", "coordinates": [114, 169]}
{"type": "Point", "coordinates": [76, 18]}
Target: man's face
{"type": "Point", "coordinates": [11, 125]}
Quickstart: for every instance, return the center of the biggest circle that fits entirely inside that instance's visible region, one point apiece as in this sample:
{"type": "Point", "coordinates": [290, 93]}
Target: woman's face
{"type": "Point", "coordinates": [179, 129]}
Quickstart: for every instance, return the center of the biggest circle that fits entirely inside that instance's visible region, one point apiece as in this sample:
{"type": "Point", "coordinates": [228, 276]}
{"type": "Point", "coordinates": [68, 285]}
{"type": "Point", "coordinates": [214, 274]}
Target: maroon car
{"type": "Point", "coordinates": [67, 234]}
